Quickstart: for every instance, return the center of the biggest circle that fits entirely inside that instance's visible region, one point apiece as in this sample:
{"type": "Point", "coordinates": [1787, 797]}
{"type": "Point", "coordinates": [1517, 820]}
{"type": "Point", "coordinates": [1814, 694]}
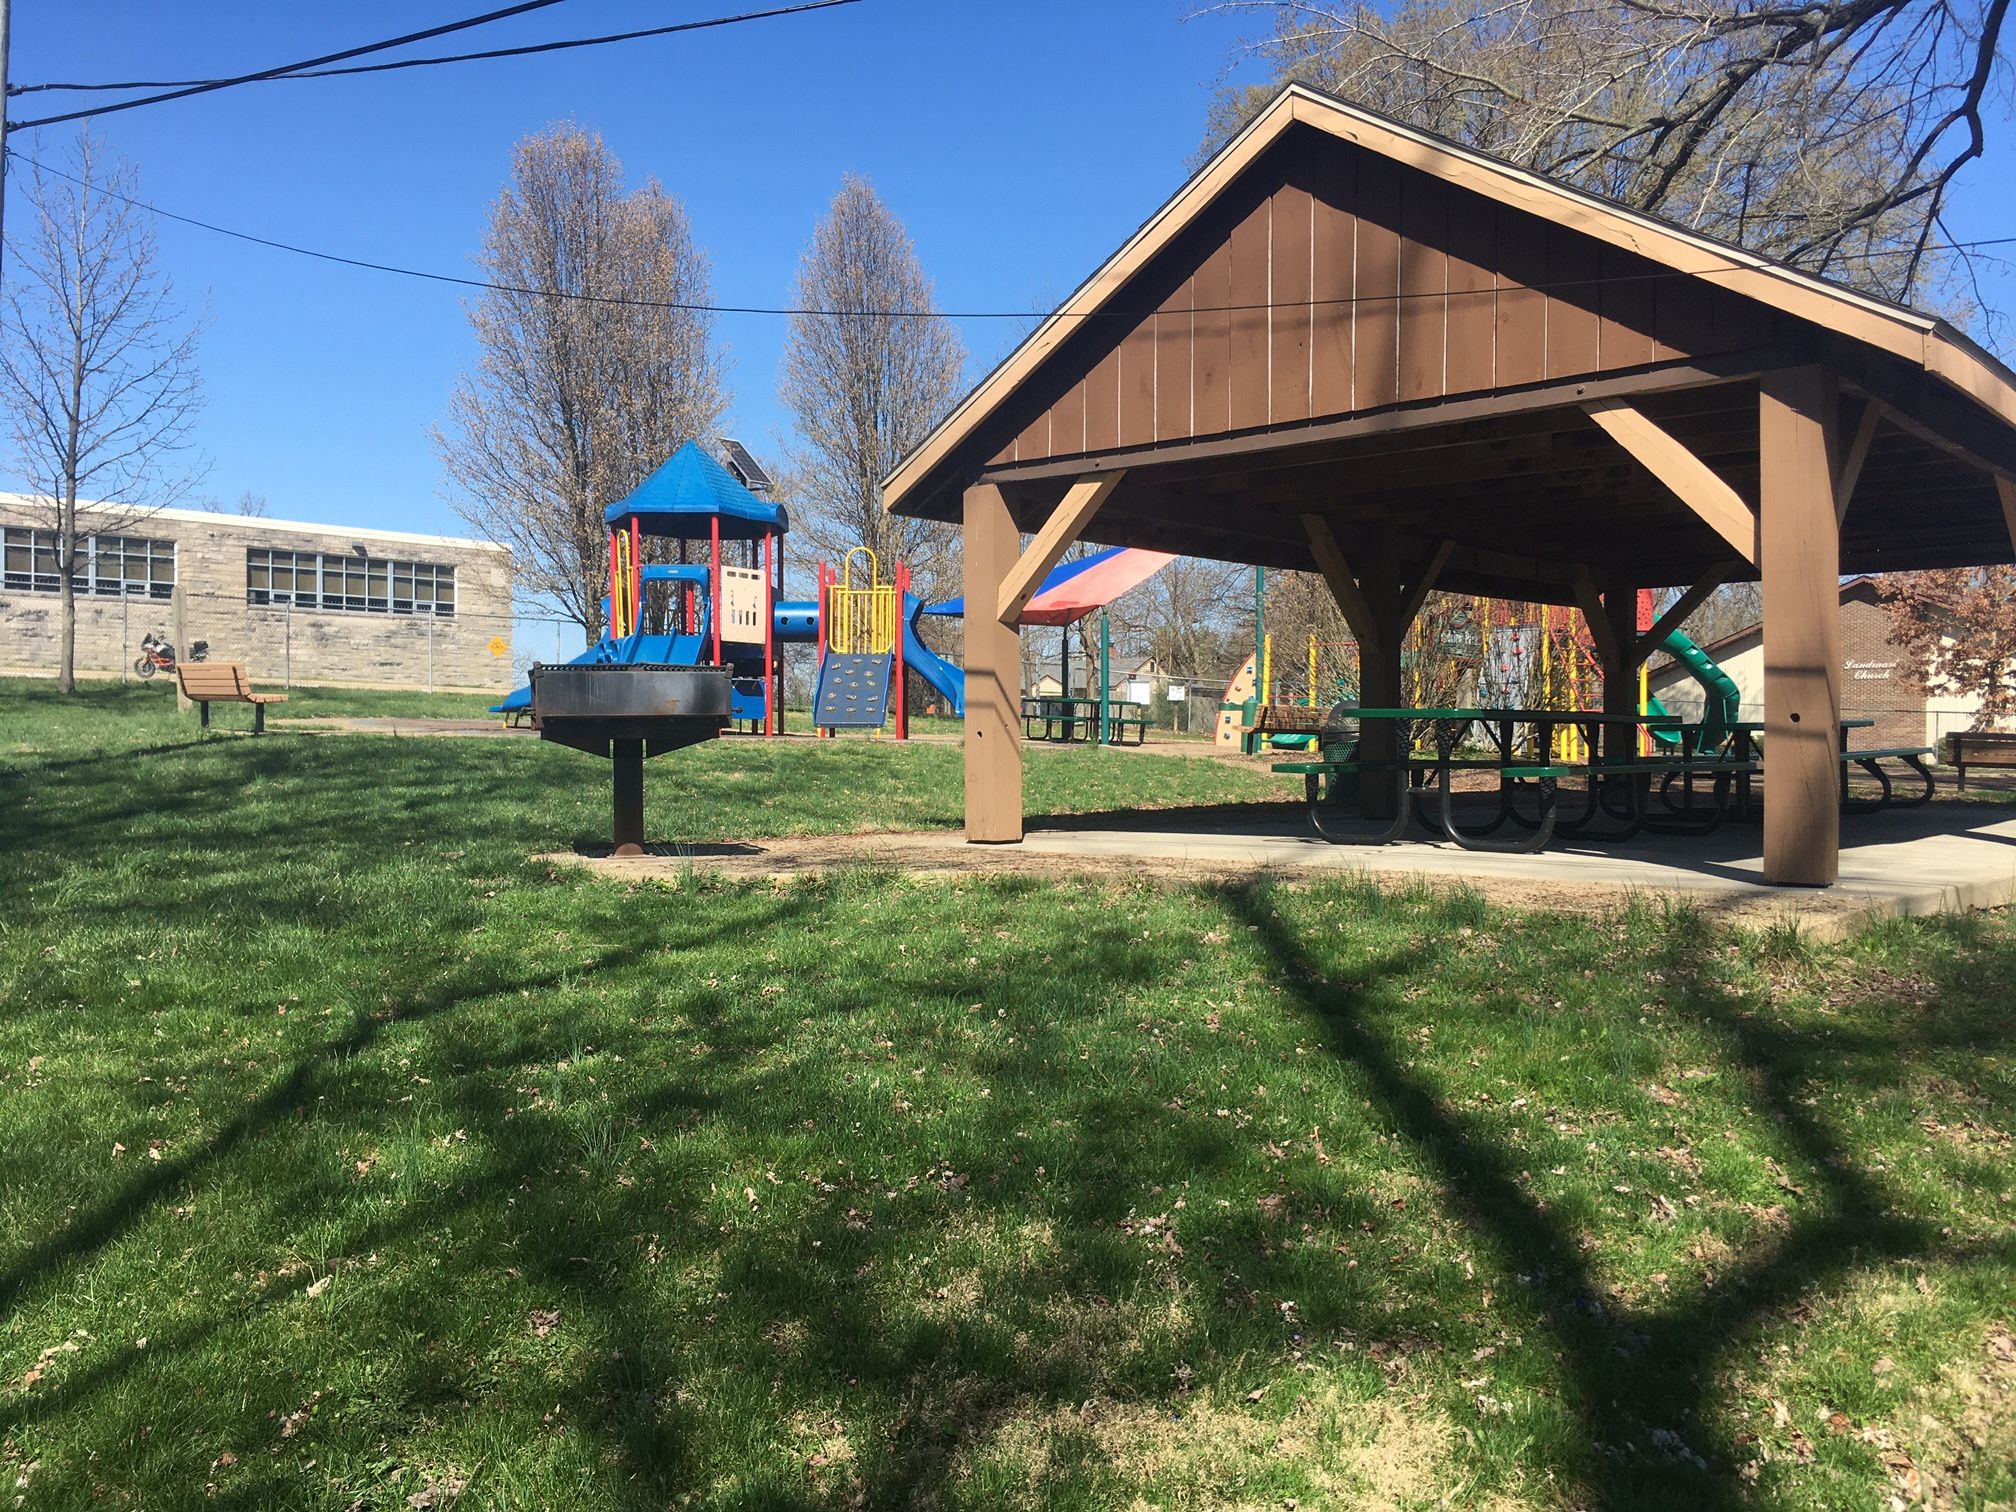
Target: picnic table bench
{"type": "Point", "coordinates": [1054, 718]}
{"type": "Point", "coordinates": [1988, 748]}
{"type": "Point", "coordinates": [205, 683]}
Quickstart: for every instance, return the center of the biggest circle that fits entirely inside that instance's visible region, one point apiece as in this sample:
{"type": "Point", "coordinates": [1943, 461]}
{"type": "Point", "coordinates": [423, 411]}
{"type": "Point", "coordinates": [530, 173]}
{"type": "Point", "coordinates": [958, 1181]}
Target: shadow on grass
{"type": "Point", "coordinates": [1636, 1375]}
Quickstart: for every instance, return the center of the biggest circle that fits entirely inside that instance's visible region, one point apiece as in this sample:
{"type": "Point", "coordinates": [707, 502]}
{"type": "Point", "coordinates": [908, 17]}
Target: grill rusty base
{"type": "Point", "coordinates": [628, 713]}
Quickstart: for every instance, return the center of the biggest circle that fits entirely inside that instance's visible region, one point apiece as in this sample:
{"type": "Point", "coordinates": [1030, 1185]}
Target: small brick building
{"type": "Point", "coordinates": [1874, 678]}
{"type": "Point", "coordinates": [298, 603]}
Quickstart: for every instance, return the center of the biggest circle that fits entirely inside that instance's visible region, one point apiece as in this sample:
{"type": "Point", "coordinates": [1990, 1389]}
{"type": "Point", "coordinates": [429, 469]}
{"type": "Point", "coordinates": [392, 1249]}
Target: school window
{"type": "Point", "coordinates": [356, 584]}
{"type": "Point", "coordinates": [108, 566]}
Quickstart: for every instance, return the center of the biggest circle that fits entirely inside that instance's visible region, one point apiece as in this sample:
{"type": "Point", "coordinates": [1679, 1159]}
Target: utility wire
{"type": "Point", "coordinates": [205, 86]}
{"type": "Point", "coordinates": [305, 71]}
{"type": "Point", "coordinates": [695, 307]}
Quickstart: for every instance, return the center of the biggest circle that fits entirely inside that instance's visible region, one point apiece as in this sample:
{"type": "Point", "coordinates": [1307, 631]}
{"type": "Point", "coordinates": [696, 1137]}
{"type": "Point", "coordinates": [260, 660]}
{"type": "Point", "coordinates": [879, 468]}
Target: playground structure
{"type": "Point", "coordinates": [696, 579]}
{"type": "Point", "coordinates": [1511, 655]}
{"type": "Point", "coordinates": [679, 598]}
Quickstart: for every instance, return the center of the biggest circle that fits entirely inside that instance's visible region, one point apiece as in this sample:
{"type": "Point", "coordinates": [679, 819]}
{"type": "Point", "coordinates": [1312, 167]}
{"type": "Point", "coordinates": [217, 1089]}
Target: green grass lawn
{"type": "Point", "coordinates": [350, 1159]}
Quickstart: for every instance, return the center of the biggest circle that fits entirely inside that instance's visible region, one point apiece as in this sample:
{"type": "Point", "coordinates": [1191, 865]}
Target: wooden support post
{"type": "Point", "coordinates": [993, 673]}
{"type": "Point", "coordinates": [2006, 490]}
{"type": "Point", "coordinates": [1620, 668]}
{"type": "Point", "coordinates": [1799, 538]}
{"type": "Point", "coordinates": [1025, 575]}
{"type": "Point", "coordinates": [1380, 683]}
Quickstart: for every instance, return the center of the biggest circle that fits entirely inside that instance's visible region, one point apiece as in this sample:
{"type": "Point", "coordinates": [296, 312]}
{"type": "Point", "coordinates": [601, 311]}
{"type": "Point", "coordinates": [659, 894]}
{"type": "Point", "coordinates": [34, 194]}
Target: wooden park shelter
{"type": "Point", "coordinates": [1348, 346]}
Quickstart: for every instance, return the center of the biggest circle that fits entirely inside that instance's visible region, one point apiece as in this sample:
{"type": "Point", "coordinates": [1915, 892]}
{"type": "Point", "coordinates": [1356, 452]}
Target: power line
{"type": "Point", "coordinates": [697, 308]}
{"type": "Point", "coordinates": [307, 71]}
{"type": "Point", "coordinates": [207, 85]}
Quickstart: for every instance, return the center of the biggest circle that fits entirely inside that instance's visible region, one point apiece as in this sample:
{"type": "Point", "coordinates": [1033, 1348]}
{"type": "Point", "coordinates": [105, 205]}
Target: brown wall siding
{"type": "Point", "coordinates": [1340, 281]}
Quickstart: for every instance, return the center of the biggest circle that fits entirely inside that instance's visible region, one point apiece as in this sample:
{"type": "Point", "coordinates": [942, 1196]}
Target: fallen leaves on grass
{"type": "Point", "coordinates": [543, 1321]}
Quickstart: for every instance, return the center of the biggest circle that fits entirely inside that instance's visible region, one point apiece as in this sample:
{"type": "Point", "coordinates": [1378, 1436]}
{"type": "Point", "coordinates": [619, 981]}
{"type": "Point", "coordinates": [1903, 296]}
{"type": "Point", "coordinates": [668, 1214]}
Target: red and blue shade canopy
{"type": "Point", "coordinates": [1076, 589]}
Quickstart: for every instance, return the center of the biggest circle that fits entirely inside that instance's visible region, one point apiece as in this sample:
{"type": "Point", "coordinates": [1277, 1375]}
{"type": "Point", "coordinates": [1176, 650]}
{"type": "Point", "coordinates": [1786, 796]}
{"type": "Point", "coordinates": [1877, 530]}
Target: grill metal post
{"type": "Point", "coordinates": [628, 830]}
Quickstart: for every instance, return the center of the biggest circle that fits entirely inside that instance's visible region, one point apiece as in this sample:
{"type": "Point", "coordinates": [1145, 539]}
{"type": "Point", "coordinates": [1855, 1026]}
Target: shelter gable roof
{"type": "Point", "coordinates": [1182, 296]}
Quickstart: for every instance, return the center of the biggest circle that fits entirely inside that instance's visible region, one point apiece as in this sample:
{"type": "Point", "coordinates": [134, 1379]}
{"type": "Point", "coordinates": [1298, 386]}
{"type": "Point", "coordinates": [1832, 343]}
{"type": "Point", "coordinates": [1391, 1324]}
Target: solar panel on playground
{"type": "Point", "coordinates": [745, 467]}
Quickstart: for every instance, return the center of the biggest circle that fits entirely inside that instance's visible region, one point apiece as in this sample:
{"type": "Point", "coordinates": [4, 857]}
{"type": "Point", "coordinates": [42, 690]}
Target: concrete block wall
{"type": "Point", "coordinates": [470, 649]}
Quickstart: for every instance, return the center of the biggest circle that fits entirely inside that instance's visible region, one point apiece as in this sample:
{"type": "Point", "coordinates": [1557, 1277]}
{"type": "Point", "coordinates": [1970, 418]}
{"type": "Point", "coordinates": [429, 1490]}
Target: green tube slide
{"type": "Point", "coordinates": [1720, 697]}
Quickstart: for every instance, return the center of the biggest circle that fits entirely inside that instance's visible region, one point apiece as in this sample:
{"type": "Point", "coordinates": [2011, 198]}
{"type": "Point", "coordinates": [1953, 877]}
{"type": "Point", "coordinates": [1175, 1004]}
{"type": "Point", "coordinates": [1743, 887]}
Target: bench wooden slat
{"type": "Point", "coordinates": [205, 683]}
{"type": "Point", "coordinates": [1889, 753]}
{"type": "Point", "coordinates": [214, 680]}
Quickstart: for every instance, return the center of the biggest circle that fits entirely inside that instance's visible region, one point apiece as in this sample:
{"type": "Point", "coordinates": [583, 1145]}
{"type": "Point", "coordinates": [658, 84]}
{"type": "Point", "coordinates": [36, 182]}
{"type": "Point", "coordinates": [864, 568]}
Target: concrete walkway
{"type": "Point", "coordinates": [1947, 857]}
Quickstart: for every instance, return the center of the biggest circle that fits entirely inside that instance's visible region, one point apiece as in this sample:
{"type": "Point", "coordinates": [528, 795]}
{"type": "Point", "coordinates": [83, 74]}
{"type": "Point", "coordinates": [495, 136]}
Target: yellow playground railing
{"type": "Point", "coordinates": [860, 620]}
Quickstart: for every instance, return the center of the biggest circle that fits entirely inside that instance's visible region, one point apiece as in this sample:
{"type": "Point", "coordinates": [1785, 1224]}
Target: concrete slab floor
{"type": "Point", "coordinates": [1947, 857]}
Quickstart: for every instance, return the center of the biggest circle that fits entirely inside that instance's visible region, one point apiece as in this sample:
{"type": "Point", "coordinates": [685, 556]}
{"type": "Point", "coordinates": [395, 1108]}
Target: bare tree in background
{"type": "Point", "coordinates": [1825, 134]}
{"type": "Point", "coordinates": [97, 369]}
{"type": "Point", "coordinates": [865, 379]}
{"type": "Point", "coordinates": [588, 379]}
{"type": "Point", "coordinates": [1194, 618]}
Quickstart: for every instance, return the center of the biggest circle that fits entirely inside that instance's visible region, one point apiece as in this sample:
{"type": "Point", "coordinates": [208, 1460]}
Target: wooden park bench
{"type": "Point", "coordinates": [205, 683]}
{"type": "Point", "coordinates": [1988, 748]}
{"type": "Point", "coordinates": [1296, 726]}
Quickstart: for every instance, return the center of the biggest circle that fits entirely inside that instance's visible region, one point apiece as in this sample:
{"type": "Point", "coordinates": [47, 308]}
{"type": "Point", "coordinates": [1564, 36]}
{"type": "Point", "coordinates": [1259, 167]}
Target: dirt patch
{"type": "Point", "coordinates": [1375, 1455]}
{"type": "Point", "coordinates": [943, 854]}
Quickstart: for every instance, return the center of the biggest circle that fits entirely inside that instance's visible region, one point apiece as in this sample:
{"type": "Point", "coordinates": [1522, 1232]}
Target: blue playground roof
{"type": "Point", "coordinates": [688, 490]}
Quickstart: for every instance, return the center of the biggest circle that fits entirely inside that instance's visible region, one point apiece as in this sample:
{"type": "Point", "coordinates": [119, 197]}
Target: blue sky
{"type": "Point", "coordinates": [1020, 140]}
{"type": "Point", "coordinates": [1008, 137]}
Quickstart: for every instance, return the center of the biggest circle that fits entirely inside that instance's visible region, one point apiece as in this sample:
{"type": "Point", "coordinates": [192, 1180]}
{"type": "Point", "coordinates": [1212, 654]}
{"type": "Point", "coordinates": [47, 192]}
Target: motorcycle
{"type": "Point", "coordinates": [156, 655]}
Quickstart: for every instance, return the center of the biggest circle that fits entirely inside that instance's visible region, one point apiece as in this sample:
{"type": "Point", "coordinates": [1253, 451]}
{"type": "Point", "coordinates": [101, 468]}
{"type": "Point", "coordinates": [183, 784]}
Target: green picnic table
{"type": "Point", "coordinates": [1628, 776]}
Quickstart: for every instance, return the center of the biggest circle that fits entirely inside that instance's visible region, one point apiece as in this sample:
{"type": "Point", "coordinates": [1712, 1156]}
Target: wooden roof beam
{"type": "Point", "coordinates": [1081, 501]}
{"type": "Point", "coordinates": [1589, 599]}
{"type": "Point", "coordinates": [2007, 490]}
{"type": "Point", "coordinates": [1280, 444]}
{"type": "Point", "coordinates": [1690, 479]}
{"type": "Point", "coordinates": [1677, 612]}
{"type": "Point", "coordinates": [1848, 467]}
{"type": "Point", "coordinates": [1351, 600]}
{"type": "Point", "coordinates": [1416, 592]}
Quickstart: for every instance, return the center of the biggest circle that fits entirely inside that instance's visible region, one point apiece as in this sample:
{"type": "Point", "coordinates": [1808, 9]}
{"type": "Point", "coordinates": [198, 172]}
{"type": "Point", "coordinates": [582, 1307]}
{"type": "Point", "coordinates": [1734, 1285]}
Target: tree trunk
{"type": "Point", "coordinates": [66, 641]}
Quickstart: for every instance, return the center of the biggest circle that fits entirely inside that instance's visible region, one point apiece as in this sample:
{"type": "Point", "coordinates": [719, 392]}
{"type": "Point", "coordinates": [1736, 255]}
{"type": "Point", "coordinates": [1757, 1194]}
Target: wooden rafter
{"type": "Point", "coordinates": [1081, 501]}
{"type": "Point", "coordinates": [1417, 592]}
{"type": "Point", "coordinates": [2007, 491]}
{"type": "Point", "coordinates": [1848, 469]}
{"type": "Point", "coordinates": [1351, 600]}
{"type": "Point", "coordinates": [1677, 612]}
{"type": "Point", "coordinates": [1589, 599]}
{"type": "Point", "coordinates": [1689, 479]}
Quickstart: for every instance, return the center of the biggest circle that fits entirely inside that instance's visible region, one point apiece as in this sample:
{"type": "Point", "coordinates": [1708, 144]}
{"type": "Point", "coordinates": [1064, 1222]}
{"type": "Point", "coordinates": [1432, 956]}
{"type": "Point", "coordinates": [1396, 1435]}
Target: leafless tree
{"type": "Point", "coordinates": [1825, 133]}
{"type": "Point", "coordinates": [98, 366]}
{"type": "Point", "coordinates": [595, 363]}
{"type": "Point", "coordinates": [1194, 618]}
{"type": "Point", "coordinates": [868, 370]}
